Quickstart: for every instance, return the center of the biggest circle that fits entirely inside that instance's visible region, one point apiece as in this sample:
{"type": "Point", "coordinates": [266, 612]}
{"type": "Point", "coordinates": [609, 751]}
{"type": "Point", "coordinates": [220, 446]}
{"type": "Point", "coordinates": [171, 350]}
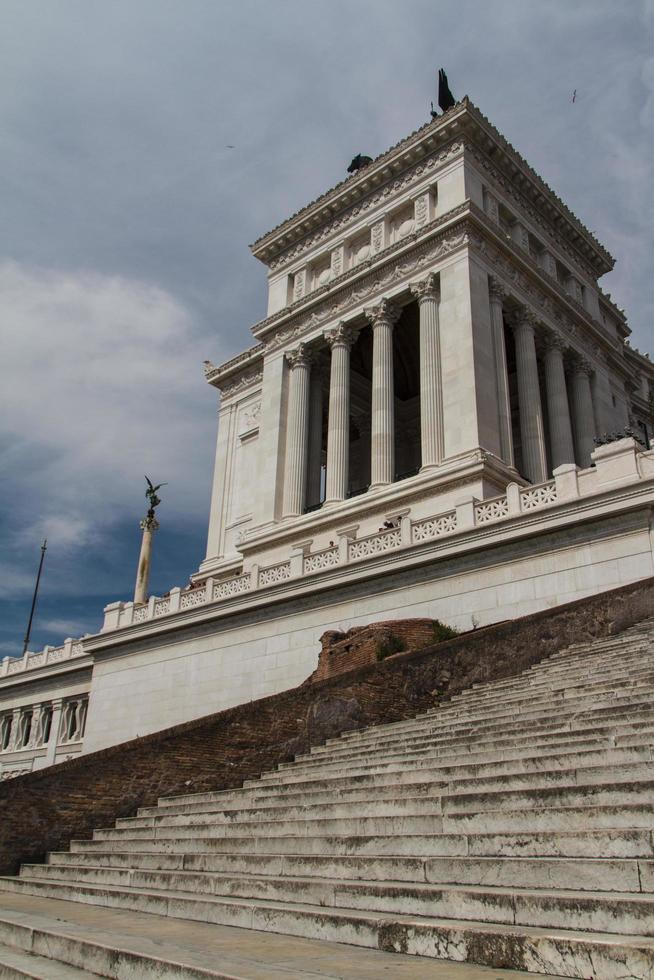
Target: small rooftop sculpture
{"type": "Point", "coordinates": [445, 98]}
{"type": "Point", "coordinates": [358, 162]}
{"type": "Point", "coordinates": [149, 522]}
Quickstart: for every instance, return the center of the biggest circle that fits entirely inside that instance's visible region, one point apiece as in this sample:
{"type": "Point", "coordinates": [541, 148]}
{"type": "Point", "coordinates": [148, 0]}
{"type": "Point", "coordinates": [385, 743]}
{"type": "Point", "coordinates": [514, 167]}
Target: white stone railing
{"type": "Point", "coordinates": [320, 560]}
{"type": "Point", "coordinates": [615, 463]}
{"type": "Point", "coordinates": [48, 655]}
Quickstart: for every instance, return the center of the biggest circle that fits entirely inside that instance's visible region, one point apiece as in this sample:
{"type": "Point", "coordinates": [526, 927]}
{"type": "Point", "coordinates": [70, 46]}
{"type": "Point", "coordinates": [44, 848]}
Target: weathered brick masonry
{"type": "Point", "coordinates": [44, 810]}
{"type": "Point", "coordinates": [361, 645]}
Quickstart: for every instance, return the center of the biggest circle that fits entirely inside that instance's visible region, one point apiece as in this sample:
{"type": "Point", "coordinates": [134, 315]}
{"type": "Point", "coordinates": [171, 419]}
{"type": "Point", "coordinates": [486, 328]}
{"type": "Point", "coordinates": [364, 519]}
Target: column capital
{"type": "Point", "coordinates": [582, 366]}
{"type": "Point", "coordinates": [301, 356]}
{"type": "Point", "coordinates": [524, 317]}
{"type": "Point", "coordinates": [554, 341]}
{"type": "Point", "coordinates": [426, 289]}
{"type": "Point", "coordinates": [385, 312]}
{"type": "Point", "coordinates": [342, 335]}
{"type": "Point", "coordinates": [496, 289]}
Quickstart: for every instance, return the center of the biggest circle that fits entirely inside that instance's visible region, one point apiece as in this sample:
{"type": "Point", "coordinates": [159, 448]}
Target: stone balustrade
{"type": "Point", "coordinates": [48, 655]}
{"type": "Point", "coordinates": [615, 463]}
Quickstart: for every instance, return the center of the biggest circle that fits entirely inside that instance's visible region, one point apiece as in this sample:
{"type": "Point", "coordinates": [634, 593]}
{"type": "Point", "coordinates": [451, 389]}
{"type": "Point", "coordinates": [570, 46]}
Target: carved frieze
{"type": "Point", "coordinates": [241, 382]}
{"type": "Point", "coordinates": [373, 284]}
{"type": "Point", "coordinates": [391, 189]}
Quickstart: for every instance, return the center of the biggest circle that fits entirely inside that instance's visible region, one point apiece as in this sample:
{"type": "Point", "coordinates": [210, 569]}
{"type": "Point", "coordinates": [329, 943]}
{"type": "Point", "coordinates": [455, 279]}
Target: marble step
{"type": "Point", "coordinates": [339, 786]}
{"type": "Point", "coordinates": [583, 874]}
{"type": "Point", "coordinates": [428, 782]}
{"type": "Point", "coordinates": [618, 843]}
{"type": "Point", "coordinates": [54, 952]}
{"type": "Point", "coordinates": [16, 964]}
{"type": "Point", "coordinates": [490, 945]}
{"type": "Point", "coordinates": [551, 736]}
{"type": "Point", "coordinates": [569, 713]}
{"type": "Point", "coordinates": [567, 795]}
{"type": "Point", "coordinates": [624, 915]}
{"type": "Point", "coordinates": [533, 817]}
{"type": "Point", "coordinates": [562, 691]}
{"type": "Point", "coordinates": [380, 805]}
{"type": "Point", "coordinates": [504, 751]}
{"type": "Point", "coordinates": [390, 797]}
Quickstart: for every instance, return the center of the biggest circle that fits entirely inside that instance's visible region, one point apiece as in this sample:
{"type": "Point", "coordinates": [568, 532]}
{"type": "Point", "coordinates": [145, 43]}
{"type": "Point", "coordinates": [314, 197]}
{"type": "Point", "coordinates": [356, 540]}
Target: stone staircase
{"type": "Point", "coordinates": [512, 827]}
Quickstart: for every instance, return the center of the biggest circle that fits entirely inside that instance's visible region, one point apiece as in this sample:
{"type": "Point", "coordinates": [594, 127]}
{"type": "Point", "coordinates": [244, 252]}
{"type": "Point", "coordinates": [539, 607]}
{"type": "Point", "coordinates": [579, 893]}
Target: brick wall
{"type": "Point", "coordinates": [44, 810]}
{"type": "Point", "coordinates": [361, 644]}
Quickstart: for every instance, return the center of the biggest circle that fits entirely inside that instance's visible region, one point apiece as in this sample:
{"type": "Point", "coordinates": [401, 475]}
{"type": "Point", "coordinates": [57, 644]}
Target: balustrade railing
{"type": "Point", "coordinates": [43, 658]}
{"type": "Point", "coordinates": [403, 532]}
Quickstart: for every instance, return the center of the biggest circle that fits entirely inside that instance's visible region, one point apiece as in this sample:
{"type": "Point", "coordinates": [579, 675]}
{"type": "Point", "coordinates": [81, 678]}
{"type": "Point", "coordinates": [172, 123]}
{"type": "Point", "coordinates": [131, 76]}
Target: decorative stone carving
{"type": "Point", "coordinates": [434, 527]}
{"type": "Point", "coordinates": [427, 289]}
{"type": "Point", "coordinates": [240, 383]}
{"type": "Point", "coordinates": [274, 574]}
{"type": "Point", "coordinates": [390, 190]}
{"type": "Point", "coordinates": [536, 497]}
{"type": "Point", "coordinates": [320, 560]}
{"type": "Point", "coordinates": [233, 586]}
{"type": "Point", "coordinates": [339, 300]}
{"type": "Point", "coordinates": [193, 598]}
{"type": "Point", "coordinates": [376, 544]}
{"type": "Point", "coordinates": [491, 510]}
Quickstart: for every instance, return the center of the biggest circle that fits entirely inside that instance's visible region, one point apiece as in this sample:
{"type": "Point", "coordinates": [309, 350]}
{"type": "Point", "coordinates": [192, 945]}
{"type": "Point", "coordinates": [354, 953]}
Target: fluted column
{"type": "Point", "coordinates": [582, 408]}
{"type": "Point", "coordinates": [532, 433]}
{"type": "Point", "coordinates": [297, 431]}
{"type": "Point", "coordinates": [382, 454]}
{"type": "Point", "coordinates": [315, 436]}
{"type": "Point", "coordinates": [338, 432]}
{"type": "Point", "coordinates": [427, 292]}
{"type": "Point", "coordinates": [497, 295]}
{"type": "Point", "coordinates": [558, 410]}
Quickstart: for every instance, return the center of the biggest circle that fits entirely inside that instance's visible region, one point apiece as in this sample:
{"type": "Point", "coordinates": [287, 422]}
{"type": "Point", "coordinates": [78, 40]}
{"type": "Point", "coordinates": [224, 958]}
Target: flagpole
{"type": "Point", "coordinates": [34, 597]}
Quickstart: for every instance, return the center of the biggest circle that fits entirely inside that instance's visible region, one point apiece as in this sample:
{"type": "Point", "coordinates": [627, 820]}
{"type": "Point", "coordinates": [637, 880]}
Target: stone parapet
{"type": "Point", "coordinates": [615, 466]}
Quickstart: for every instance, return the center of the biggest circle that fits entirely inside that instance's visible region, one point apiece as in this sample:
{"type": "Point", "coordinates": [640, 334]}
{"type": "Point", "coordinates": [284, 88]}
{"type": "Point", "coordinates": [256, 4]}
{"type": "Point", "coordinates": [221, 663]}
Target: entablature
{"type": "Point", "coordinates": [462, 121]}
{"type": "Point", "coordinates": [236, 375]}
{"type": "Point", "coordinates": [465, 226]}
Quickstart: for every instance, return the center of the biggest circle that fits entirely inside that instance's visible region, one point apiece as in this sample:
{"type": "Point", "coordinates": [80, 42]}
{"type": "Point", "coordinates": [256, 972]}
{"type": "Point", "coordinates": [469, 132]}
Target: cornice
{"type": "Point", "coordinates": [385, 192]}
{"type": "Point", "coordinates": [355, 292]}
{"type": "Point", "coordinates": [361, 272]}
{"type": "Point", "coordinates": [463, 119]}
{"type": "Point", "coordinates": [227, 376]}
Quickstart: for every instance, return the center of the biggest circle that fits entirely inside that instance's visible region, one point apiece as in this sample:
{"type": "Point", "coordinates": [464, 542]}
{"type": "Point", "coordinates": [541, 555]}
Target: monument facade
{"type": "Point", "coordinates": [441, 416]}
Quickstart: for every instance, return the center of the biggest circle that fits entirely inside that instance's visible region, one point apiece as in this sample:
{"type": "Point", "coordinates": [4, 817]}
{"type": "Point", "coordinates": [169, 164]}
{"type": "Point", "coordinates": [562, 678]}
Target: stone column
{"type": "Point", "coordinates": [13, 739]}
{"type": "Point", "coordinates": [315, 436]}
{"type": "Point", "coordinates": [531, 414]}
{"type": "Point", "coordinates": [338, 433]}
{"type": "Point", "coordinates": [427, 292]}
{"type": "Point", "coordinates": [297, 432]}
{"type": "Point", "coordinates": [582, 407]}
{"type": "Point", "coordinates": [558, 409]}
{"type": "Point", "coordinates": [497, 295]}
{"type": "Point", "coordinates": [382, 462]}
{"type": "Point", "coordinates": [55, 725]}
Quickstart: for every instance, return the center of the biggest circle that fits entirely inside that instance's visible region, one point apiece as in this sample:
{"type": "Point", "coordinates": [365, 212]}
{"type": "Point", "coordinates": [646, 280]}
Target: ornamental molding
{"type": "Point", "coordinates": [355, 274]}
{"type": "Point", "coordinates": [426, 290]}
{"type": "Point", "coordinates": [240, 382]}
{"type": "Point", "coordinates": [371, 285]}
{"type": "Point", "coordinates": [301, 357]}
{"type": "Point", "coordinates": [386, 312]}
{"type": "Point", "coordinates": [509, 189]}
{"type": "Point", "coordinates": [350, 214]}
{"type": "Point", "coordinates": [526, 289]}
{"type": "Point", "coordinates": [343, 335]}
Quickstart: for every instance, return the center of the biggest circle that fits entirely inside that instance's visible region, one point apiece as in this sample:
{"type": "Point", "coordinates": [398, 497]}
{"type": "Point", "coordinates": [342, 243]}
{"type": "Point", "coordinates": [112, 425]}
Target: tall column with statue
{"type": "Point", "coordinates": [148, 525]}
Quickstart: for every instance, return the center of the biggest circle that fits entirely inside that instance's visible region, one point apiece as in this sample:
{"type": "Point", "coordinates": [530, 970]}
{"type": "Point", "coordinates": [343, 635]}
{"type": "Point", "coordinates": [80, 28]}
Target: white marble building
{"type": "Point", "coordinates": [413, 433]}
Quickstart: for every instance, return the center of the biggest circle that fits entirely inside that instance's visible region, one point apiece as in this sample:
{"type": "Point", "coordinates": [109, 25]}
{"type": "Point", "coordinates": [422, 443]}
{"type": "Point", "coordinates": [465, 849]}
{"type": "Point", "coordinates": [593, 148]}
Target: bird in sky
{"type": "Point", "coordinates": [574, 95]}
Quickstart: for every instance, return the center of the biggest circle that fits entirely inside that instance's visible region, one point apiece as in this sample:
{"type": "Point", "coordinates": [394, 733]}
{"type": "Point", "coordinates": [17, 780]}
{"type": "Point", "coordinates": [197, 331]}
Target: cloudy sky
{"type": "Point", "coordinates": [126, 219]}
